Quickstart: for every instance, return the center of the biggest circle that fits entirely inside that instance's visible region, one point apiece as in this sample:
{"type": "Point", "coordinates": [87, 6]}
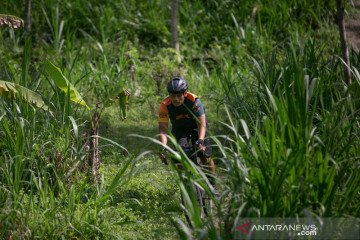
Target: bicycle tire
{"type": "Point", "coordinates": [208, 203]}
{"type": "Point", "coordinates": [204, 202]}
{"type": "Point", "coordinates": [201, 202]}
{"type": "Point", "coordinates": [187, 217]}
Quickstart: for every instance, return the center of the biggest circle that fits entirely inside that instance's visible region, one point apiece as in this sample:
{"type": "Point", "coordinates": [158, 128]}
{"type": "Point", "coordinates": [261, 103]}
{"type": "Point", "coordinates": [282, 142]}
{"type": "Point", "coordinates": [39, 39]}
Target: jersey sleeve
{"type": "Point", "coordinates": [198, 108]}
{"type": "Point", "coordinates": [163, 113]}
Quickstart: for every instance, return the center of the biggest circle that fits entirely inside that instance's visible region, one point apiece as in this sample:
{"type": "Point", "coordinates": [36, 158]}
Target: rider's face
{"type": "Point", "coordinates": [177, 99]}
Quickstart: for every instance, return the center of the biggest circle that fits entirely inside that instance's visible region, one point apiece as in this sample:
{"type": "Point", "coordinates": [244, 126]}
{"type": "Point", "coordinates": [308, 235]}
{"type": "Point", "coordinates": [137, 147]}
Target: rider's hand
{"type": "Point", "coordinates": [200, 145]}
{"type": "Point", "coordinates": [163, 156]}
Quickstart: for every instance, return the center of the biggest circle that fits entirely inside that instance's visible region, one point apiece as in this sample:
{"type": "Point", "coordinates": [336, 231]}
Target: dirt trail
{"type": "Point", "coordinates": [352, 26]}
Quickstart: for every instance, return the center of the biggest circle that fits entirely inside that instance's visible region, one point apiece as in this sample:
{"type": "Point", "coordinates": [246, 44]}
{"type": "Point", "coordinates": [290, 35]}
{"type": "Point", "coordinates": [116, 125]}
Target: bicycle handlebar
{"type": "Point", "coordinates": [188, 147]}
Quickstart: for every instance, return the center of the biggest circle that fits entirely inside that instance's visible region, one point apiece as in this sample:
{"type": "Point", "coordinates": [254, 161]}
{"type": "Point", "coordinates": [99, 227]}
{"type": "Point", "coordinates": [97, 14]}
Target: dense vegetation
{"type": "Point", "coordinates": [284, 124]}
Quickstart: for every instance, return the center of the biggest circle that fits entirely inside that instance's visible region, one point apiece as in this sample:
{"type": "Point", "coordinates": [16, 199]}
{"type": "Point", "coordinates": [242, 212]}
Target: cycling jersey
{"type": "Point", "coordinates": [182, 116]}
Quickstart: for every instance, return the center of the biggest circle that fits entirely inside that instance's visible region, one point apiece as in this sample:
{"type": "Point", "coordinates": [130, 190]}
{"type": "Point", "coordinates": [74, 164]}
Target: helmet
{"type": "Point", "coordinates": [177, 85]}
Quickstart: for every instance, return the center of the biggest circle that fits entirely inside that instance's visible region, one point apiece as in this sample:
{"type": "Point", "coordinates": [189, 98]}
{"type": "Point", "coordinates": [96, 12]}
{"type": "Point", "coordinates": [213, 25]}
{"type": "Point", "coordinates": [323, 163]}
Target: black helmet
{"type": "Point", "coordinates": [177, 85]}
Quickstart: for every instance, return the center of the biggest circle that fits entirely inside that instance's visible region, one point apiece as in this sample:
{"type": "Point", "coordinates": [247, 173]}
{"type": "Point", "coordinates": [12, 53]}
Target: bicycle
{"type": "Point", "coordinates": [203, 200]}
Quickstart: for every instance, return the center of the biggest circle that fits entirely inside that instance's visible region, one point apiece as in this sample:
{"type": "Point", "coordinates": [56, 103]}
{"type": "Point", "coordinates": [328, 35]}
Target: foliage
{"type": "Point", "coordinates": [64, 84]}
{"type": "Point", "coordinates": [11, 21]}
{"type": "Point", "coordinates": [289, 137]}
{"type": "Point", "coordinates": [12, 90]}
{"type": "Point", "coordinates": [293, 146]}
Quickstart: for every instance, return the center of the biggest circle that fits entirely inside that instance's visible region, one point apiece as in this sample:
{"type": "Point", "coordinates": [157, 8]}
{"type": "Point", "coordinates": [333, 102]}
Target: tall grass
{"type": "Point", "coordinates": [147, 23]}
{"type": "Point", "coordinates": [43, 192]}
{"type": "Point", "coordinates": [294, 150]}
{"type": "Point", "coordinates": [290, 142]}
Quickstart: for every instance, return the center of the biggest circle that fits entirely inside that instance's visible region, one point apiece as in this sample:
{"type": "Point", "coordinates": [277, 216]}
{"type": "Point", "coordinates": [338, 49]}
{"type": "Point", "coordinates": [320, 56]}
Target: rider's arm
{"type": "Point", "coordinates": [199, 112]}
{"type": "Point", "coordinates": [163, 123]}
{"type": "Point", "coordinates": [163, 128]}
{"type": "Point", "coordinates": [201, 129]}
{"type": "Point", "coordinates": [201, 126]}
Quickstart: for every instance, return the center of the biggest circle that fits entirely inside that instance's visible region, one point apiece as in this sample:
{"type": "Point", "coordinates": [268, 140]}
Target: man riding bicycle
{"type": "Point", "coordinates": [177, 107]}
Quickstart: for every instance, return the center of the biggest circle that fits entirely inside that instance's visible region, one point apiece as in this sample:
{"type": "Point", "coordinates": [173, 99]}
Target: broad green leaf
{"type": "Point", "coordinates": [11, 21]}
{"type": "Point", "coordinates": [123, 96]}
{"type": "Point", "coordinates": [61, 81]}
{"type": "Point", "coordinates": [15, 91]}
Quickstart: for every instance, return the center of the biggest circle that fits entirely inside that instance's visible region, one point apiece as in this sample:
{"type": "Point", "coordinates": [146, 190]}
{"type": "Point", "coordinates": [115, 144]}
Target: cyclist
{"type": "Point", "coordinates": [177, 107]}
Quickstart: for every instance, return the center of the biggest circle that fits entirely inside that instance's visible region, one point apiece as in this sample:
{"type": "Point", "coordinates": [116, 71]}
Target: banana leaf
{"type": "Point", "coordinates": [61, 81]}
{"type": "Point", "coordinates": [15, 91]}
{"type": "Point", "coordinates": [11, 21]}
{"type": "Point", "coordinates": [123, 96]}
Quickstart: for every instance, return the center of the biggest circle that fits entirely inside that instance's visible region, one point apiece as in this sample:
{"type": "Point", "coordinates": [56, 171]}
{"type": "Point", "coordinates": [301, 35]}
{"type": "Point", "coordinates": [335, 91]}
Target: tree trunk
{"type": "Point", "coordinates": [344, 48]}
{"type": "Point", "coordinates": [94, 146]}
{"type": "Point", "coordinates": [28, 18]}
{"type": "Point", "coordinates": [94, 160]}
{"type": "Point", "coordinates": [91, 159]}
{"type": "Point", "coordinates": [174, 20]}
{"type": "Point", "coordinates": [131, 66]}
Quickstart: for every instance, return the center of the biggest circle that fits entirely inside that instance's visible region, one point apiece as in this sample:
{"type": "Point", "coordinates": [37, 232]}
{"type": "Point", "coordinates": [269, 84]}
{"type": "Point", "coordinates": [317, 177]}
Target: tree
{"type": "Point", "coordinates": [28, 18]}
{"type": "Point", "coordinates": [174, 20]}
{"type": "Point", "coordinates": [91, 149]}
{"type": "Point", "coordinates": [344, 48]}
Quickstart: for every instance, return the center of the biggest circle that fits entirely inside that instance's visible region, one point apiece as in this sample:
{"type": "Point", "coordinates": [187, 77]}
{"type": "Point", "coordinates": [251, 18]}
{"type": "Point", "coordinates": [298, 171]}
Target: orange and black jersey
{"type": "Point", "coordinates": [181, 117]}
